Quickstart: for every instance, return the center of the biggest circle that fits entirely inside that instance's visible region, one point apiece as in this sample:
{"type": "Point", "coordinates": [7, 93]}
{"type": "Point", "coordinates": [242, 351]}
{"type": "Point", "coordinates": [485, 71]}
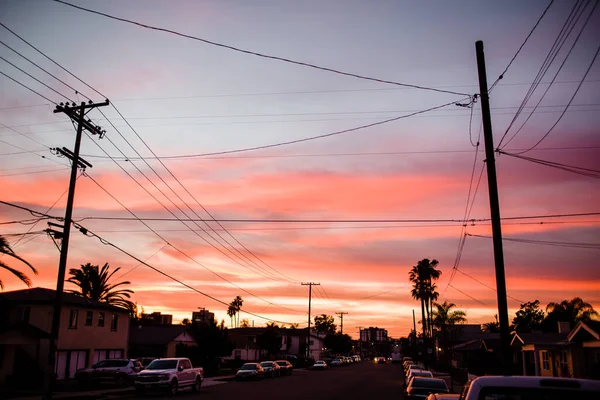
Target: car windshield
{"type": "Point", "coordinates": [267, 364]}
{"type": "Point", "coordinates": [162, 364]}
{"type": "Point", "coordinates": [429, 383]}
{"type": "Point", "coordinates": [282, 363]}
{"type": "Point", "coordinates": [247, 367]}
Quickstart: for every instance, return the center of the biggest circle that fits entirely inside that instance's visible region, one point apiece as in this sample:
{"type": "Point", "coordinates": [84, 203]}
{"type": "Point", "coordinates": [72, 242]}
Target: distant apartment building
{"type": "Point", "coordinates": [203, 316]}
{"type": "Point", "coordinates": [156, 318]}
{"type": "Point", "coordinates": [373, 335]}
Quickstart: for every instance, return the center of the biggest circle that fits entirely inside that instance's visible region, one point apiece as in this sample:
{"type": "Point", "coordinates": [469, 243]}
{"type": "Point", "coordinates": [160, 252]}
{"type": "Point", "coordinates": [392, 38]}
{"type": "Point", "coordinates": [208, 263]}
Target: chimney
{"type": "Point", "coordinates": [564, 327]}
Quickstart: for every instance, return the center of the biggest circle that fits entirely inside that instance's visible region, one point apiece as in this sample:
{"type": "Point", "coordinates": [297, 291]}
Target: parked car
{"type": "Point", "coordinates": [145, 361]}
{"type": "Point", "coordinates": [417, 372]}
{"type": "Point", "coordinates": [336, 362]}
{"type": "Point", "coordinates": [169, 374]}
{"type": "Point", "coordinates": [285, 366]}
{"type": "Point", "coordinates": [443, 396]}
{"type": "Point", "coordinates": [320, 365]}
{"type": "Point", "coordinates": [272, 369]}
{"type": "Point", "coordinates": [530, 387]}
{"type": "Point", "coordinates": [420, 388]}
{"type": "Point", "coordinates": [412, 367]}
{"type": "Point", "coordinates": [356, 358]}
{"type": "Point", "coordinates": [250, 371]}
{"type": "Point", "coordinates": [381, 360]}
{"type": "Point", "coordinates": [119, 370]}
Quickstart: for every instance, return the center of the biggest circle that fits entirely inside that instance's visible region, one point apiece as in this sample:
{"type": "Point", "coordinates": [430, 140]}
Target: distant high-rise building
{"type": "Point", "coordinates": [203, 316]}
{"type": "Point", "coordinates": [157, 318]}
{"type": "Point", "coordinates": [373, 335]}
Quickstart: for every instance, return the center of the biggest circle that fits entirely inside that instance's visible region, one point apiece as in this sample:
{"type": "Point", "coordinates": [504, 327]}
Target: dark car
{"type": "Point", "coordinates": [272, 369]}
{"type": "Point", "coordinates": [420, 388]}
{"type": "Point", "coordinates": [381, 360]}
{"type": "Point", "coordinates": [250, 371]}
{"type": "Point", "coordinates": [286, 367]}
{"type": "Point", "coordinates": [117, 370]}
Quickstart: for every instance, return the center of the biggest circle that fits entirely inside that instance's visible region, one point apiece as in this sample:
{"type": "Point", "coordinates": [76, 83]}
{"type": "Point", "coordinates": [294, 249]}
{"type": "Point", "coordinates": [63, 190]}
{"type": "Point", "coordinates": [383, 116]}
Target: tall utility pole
{"type": "Point", "coordinates": [341, 314]}
{"type": "Point", "coordinates": [494, 210]}
{"type": "Point", "coordinates": [310, 285]}
{"type": "Point", "coordinates": [77, 114]}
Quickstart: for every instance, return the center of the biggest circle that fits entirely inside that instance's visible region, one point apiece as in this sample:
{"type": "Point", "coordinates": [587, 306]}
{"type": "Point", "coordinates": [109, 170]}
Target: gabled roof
{"type": "Point", "coordinates": [46, 296]}
{"type": "Point", "coordinates": [468, 346]}
{"type": "Point", "coordinates": [539, 338]}
{"type": "Point", "coordinates": [592, 328]}
{"type": "Point", "coordinates": [154, 335]}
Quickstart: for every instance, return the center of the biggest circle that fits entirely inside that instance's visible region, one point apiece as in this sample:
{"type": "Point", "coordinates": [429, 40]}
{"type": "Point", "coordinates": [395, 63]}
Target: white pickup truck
{"type": "Point", "coordinates": [169, 374]}
{"type": "Point", "coordinates": [530, 387]}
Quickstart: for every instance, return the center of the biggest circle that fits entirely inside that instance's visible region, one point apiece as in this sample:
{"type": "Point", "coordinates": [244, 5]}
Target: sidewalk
{"type": "Point", "coordinates": [110, 394]}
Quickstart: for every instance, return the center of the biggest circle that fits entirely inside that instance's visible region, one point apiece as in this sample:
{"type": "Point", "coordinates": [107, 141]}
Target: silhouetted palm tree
{"type": "Point", "coordinates": [423, 276]}
{"type": "Point", "coordinates": [231, 312]}
{"type": "Point", "coordinates": [94, 284]}
{"type": "Point", "coordinates": [443, 317]}
{"type": "Point", "coordinates": [6, 250]}
{"type": "Point", "coordinates": [237, 304]}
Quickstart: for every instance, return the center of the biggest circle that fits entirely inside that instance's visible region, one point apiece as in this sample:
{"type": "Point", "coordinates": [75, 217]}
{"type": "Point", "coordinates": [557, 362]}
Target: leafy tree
{"type": "Point", "coordinates": [325, 323]}
{"type": "Point", "coordinates": [6, 250]}
{"type": "Point", "coordinates": [338, 343]}
{"type": "Point", "coordinates": [571, 311]}
{"type": "Point", "coordinates": [94, 284]}
{"type": "Point", "coordinates": [529, 317]}
{"type": "Point", "coordinates": [492, 327]}
{"type": "Point", "coordinates": [423, 275]}
{"type": "Point", "coordinates": [212, 343]}
{"type": "Point", "coordinates": [245, 323]}
{"type": "Point", "coordinates": [185, 321]}
{"type": "Point", "coordinates": [270, 339]}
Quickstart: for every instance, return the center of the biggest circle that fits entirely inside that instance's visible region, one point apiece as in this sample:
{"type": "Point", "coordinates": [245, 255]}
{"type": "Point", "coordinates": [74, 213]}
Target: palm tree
{"type": "Point", "coordinates": [237, 303]}
{"type": "Point", "coordinates": [6, 250]}
{"type": "Point", "coordinates": [492, 327]}
{"type": "Point", "coordinates": [423, 276]}
{"type": "Point", "coordinates": [294, 325]}
{"type": "Point", "coordinates": [93, 283]}
{"type": "Point", "coordinates": [443, 317]}
{"type": "Point", "coordinates": [231, 312]}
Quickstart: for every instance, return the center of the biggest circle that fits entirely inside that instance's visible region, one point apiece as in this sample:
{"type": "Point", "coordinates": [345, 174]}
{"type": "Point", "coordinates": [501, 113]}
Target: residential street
{"type": "Point", "coordinates": [364, 380]}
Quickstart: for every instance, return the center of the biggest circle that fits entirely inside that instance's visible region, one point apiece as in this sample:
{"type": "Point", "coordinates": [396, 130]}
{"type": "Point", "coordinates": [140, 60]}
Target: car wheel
{"type": "Point", "coordinates": [173, 387]}
{"type": "Point", "coordinates": [197, 385]}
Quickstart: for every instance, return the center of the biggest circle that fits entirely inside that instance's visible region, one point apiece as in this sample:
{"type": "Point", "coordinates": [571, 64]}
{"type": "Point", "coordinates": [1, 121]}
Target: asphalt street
{"type": "Point", "coordinates": [365, 380]}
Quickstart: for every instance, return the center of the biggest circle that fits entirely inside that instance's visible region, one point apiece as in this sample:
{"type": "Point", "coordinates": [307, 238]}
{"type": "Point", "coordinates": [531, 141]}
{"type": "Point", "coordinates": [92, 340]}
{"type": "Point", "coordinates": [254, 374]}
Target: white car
{"type": "Point", "coordinates": [530, 387]}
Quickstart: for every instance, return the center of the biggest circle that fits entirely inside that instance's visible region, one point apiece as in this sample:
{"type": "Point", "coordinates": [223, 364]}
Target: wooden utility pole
{"type": "Point", "coordinates": [341, 314]}
{"type": "Point", "coordinates": [77, 114]}
{"type": "Point", "coordinates": [494, 210]}
{"type": "Point", "coordinates": [310, 285]}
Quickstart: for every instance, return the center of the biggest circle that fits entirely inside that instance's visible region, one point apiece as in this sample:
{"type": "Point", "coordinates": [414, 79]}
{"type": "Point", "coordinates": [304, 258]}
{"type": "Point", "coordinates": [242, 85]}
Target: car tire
{"type": "Point", "coordinates": [173, 387]}
{"type": "Point", "coordinates": [197, 385]}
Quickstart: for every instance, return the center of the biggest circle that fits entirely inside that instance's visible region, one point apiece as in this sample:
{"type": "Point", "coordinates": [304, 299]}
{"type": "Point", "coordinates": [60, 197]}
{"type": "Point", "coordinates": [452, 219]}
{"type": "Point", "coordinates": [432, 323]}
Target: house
{"type": "Point", "coordinates": [568, 353]}
{"type": "Point", "coordinates": [158, 341]}
{"type": "Point", "coordinates": [293, 342]}
{"type": "Point", "coordinates": [478, 356]}
{"type": "Point", "coordinates": [89, 332]}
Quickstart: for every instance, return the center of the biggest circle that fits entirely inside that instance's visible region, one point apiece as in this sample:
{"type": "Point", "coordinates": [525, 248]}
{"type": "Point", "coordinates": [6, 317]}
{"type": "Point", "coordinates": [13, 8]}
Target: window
{"type": "Point", "coordinates": [100, 319]}
{"type": "Point", "coordinates": [73, 319]}
{"type": "Point", "coordinates": [564, 364]}
{"type": "Point", "coordinates": [89, 315]}
{"type": "Point", "coordinates": [114, 322]}
{"type": "Point", "coordinates": [545, 361]}
{"type": "Point", "coordinates": [25, 311]}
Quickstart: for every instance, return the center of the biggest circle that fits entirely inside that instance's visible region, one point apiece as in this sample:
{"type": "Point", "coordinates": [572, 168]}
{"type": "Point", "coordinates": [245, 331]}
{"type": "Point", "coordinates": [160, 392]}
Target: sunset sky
{"type": "Point", "coordinates": [185, 97]}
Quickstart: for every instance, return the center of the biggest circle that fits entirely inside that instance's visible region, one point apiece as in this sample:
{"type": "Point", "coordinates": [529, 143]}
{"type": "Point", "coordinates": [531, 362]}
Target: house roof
{"type": "Point", "coordinates": [26, 329]}
{"type": "Point", "coordinates": [592, 329]}
{"type": "Point", "coordinates": [539, 338]}
{"type": "Point", "coordinates": [468, 346]}
{"type": "Point", "coordinates": [154, 335]}
{"type": "Point", "coordinates": [46, 296]}
{"type": "Point", "coordinates": [254, 331]}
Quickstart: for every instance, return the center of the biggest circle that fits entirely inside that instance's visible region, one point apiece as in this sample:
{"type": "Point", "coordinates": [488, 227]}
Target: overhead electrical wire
{"type": "Point", "coordinates": [254, 53]}
{"type": "Point", "coordinates": [471, 297]}
{"type": "Point", "coordinates": [90, 233]}
{"type": "Point", "coordinates": [522, 45]}
{"type": "Point", "coordinates": [486, 285]}
{"type": "Point", "coordinates": [592, 173]}
{"type": "Point", "coordinates": [555, 76]}
{"type": "Point", "coordinates": [27, 87]}
{"type": "Point", "coordinates": [578, 245]}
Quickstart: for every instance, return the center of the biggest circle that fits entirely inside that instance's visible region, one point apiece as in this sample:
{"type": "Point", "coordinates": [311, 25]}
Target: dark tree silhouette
{"type": "Point", "coordinates": [94, 284]}
{"type": "Point", "coordinates": [6, 250]}
{"type": "Point", "coordinates": [529, 317]}
{"type": "Point", "coordinates": [324, 323]}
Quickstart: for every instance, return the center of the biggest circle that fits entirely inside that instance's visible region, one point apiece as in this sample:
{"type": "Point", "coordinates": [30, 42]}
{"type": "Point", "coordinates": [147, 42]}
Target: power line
{"type": "Point", "coordinates": [579, 245]}
{"type": "Point", "coordinates": [522, 45]}
{"type": "Point", "coordinates": [286, 60]}
{"type": "Point", "coordinates": [25, 86]}
{"type": "Point", "coordinates": [565, 110]}
{"type": "Point", "coordinates": [592, 173]}
{"type": "Point", "coordinates": [487, 286]}
{"type": "Point", "coordinates": [107, 243]}
{"type": "Point", "coordinates": [471, 297]}
{"type": "Point", "coordinates": [555, 76]}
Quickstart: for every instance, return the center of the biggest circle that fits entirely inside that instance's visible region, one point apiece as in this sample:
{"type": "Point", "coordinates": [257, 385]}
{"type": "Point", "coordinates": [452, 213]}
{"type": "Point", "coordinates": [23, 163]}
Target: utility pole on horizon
{"type": "Point", "coordinates": [76, 114]}
{"type": "Point", "coordinates": [494, 210]}
{"type": "Point", "coordinates": [341, 314]}
{"type": "Point", "coordinates": [310, 285]}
